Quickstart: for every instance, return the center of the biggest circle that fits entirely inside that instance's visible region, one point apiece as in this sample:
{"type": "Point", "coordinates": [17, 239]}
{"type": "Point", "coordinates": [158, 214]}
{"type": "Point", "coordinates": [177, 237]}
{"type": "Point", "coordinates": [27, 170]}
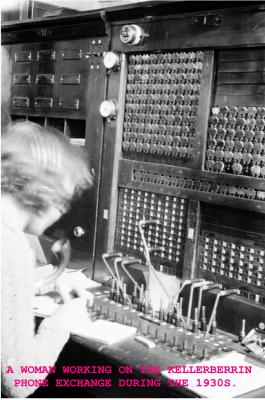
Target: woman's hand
{"type": "Point", "coordinates": [69, 288]}
{"type": "Point", "coordinates": [72, 314]}
{"type": "Point", "coordinates": [68, 285]}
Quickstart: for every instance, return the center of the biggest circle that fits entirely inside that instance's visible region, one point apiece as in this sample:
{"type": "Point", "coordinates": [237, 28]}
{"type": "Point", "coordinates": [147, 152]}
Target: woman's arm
{"type": "Point", "coordinates": [20, 346]}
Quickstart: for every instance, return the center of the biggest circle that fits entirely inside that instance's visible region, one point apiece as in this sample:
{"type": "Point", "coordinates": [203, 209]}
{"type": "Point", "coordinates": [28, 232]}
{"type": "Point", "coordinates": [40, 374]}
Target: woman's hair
{"type": "Point", "coordinates": [36, 164]}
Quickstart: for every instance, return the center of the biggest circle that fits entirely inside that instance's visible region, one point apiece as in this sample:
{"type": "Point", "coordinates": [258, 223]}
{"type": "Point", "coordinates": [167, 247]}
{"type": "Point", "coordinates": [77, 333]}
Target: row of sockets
{"type": "Point", "coordinates": [166, 57]}
{"type": "Point", "coordinates": [157, 103]}
{"type": "Point", "coordinates": [162, 103]}
{"type": "Point", "coordinates": [238, 146]}
{"type": "Point", "coordinates": [169, 133]}
{"type": "Point", "coordinates": [238, 123]}
{"type": "Point", "coordinates": [173, 78]}
{"type": "Point", "coordinates": [237, 111]}
{"type": "Point", "coordinates": [236, 134]}
{"type": "Point", "coordinates": [163, 83]}
{"type": "Point", "coordinates": [178, 122]}
{"type": "Point", "coordinates": [168, 222]}
{"type": "Point", "coordinates": [242, 252]}
{"type": "Point", "coordinates": [161, 138]}
{"type": "Point", "coordinates": [233, 264]}
{"type": "Point", "coordinates": [132, 194]}
{"type": "Point", "coordinates": [214, 242]}
{"type": "Point", "coordinates": [174, 151]}
{"type": "Point", "coordinates": [164, 248]}
{"type": "Point", "coordinates": [199, 185]}
{"type": "Point", "coordinates": [234, 275]}
{"type": "Point", "coordinates": [162, 234]}
{"type": "Point", "coordinates": [181, 77]}
{"type": "Point", "coordinates": [138, 202]}
{"type": "Point", "coordinates": [236, 168]}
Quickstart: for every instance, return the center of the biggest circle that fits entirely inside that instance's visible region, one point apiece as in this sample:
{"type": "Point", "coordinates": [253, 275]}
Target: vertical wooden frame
{"type": "Point", "coordinates": [205, 100]}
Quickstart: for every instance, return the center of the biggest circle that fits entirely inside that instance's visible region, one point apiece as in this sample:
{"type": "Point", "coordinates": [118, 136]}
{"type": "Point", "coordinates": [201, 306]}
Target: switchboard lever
{"type": "Point", "coordinates": [134, 295]}
{"type": "Point", "coordinates": [179, 313]}
{"type": "Point", "coordinates": [112, 290]}
{"type": "Point", "coordinates": [180, 305]}
{"type": "Point", "coordinates": [62, 251]}
{"type": "Point", "coordinates": [207, 286]}
{"type": "Point", "coordinates": [116, 291]}
{"type": "Point", "coordinates": [148, 332]}
{"type": "Point", "coordinates": [145, 307]}
{"type": "Point", "coordinates": [194, 349]}
{"type": "Point", "coordinates": [139, 327]}
{"type": "Point", "coordinates": [177, 321]}
{"type": "Point", "coordinates": [184, 284]}
{"type": "Point", "coordinates": [169, 317]}
{"type": "Point", "coordinates": [222, 293]}
{"type": "Point", "coordinates": [124, 295]}
{"type": "Point", "coordinates": [130, 261]}
{"type": "Point", "coordinates": [203, 320]}
{"type": "Point", "coordinates": [195, 321]}
{"type": "Point", "coordinates": [242, 333]}
{"type": "Point", "coordinates": [111, 255]}
{"type": "Point", "coordinates": [175, 341]}
{"type": "Point", "coordinates": [140, 299]}
{"type": "Point", "coordinates": [193, 286]}
{"type": "Point", "coordinates": [214, 325]}
{"type": "Point", "coordinates": [178, 316]}
{"type": "Point", "coordinates": [185, 346]}
{"type": "Point", "coordinates": [108, 314]}
{"type": "Point", "coordinates": [106, 256]}
{"type": "Point", "coordinates": [161, 310]}
{"type": "Point", "coordinates": [205, 353]}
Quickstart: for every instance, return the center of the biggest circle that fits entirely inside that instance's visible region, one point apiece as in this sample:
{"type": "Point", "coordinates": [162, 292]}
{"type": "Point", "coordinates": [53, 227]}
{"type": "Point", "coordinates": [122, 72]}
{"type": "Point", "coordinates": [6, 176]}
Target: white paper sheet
{"type": "Point", "coordinates": [240, 383]}
{"type": "Point", "coordinates": [105, 332]}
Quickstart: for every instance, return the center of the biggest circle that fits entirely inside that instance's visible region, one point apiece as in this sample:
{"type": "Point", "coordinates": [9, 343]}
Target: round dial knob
{"type": "Point", "coordinates": [79, 231]}
{"type": "Point", "coordinates": [111, 60]}
{"type": "Point", "coordinates": [108, 109]}
{"type": "Point", "coordinates": [131, 34]}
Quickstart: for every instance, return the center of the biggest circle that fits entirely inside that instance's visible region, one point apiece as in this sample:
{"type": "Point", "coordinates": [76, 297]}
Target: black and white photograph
{"type": "Point", "coordinates": [132, 199]}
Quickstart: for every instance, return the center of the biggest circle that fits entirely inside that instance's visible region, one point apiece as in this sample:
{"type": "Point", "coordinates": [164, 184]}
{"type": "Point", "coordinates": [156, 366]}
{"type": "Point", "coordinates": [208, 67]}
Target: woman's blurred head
{"type": "Point", "coordinates": [42, 170]}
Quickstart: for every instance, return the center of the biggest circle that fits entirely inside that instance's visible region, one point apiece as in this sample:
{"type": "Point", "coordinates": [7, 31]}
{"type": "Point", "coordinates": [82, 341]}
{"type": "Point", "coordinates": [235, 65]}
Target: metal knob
{"type": "Point", "coordinates": [131, 34]}
{"type": "Point", "coordinates": [108, 109]}
{"type": "Point", "coordinates": [79, 231]}
{"type": "Point", "coordinates": [111, 60]}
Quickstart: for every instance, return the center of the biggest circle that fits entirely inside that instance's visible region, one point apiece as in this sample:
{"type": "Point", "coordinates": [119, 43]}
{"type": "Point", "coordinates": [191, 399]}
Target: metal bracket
{"type": "Point", "coordinates": [208, 20]}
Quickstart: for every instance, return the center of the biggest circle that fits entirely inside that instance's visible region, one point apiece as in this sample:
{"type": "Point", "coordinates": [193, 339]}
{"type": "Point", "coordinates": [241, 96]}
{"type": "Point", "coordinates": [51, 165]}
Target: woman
{"type": "Point", "coordinates": [41, 172]}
